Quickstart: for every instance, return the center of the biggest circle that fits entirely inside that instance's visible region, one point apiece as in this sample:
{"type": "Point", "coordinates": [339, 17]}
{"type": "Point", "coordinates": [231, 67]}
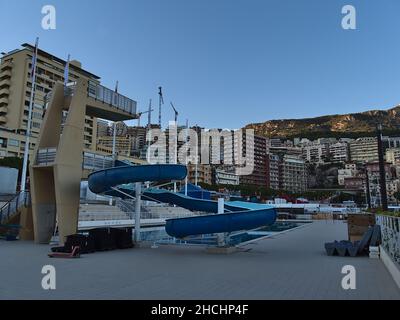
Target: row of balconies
{"type": "Point", "coordinates": [6, 74]}
{"type": "Point", "coordinates": [5, 83]}
{"type": "Point", "coordinates": [3, 101]}
{"type": "Point", "coordinates": [6, 65]}
{"type": "Point", "coordinates": [3, 109]}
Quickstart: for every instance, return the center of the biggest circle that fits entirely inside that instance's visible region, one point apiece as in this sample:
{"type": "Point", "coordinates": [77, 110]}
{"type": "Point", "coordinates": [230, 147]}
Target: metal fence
{"type": "Point", "coordinates": [93, 161]}
{"type": "Point", "coordinates": [22, 199]}
{"type": "Point", "coordinates": [101, 93]}
{"type": "Point", "coordinates": [390, 228]}
{"type": "Point", "coordinates": [110, 97]}
{"type": "Point", "coordinates": [46, 156]}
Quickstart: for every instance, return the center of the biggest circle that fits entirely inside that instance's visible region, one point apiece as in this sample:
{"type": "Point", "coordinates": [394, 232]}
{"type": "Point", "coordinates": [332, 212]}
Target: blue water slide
{"type": "Point", "coordinates": [238, 215]}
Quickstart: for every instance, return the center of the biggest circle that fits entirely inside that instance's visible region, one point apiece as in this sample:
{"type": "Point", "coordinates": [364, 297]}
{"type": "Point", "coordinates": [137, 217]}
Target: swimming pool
{"type": "Point", "coordinates": [158, 235]}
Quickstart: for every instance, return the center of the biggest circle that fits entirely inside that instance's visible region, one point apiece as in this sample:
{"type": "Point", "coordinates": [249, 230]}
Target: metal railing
{"type": "Point", "coordinates": [7, 211]}
{"type": "Point", "coordinates": [126, 206]}
{"type": "Point", "coordinates": [93, 161]}
{"type": "Point", "coordinates": [110, 97]}
{"type": "Point", "coordinates": [102, 94]}
{"type": "Point", "coordinates": [154, 212]}
{"type": "Point", "coordinates": [46, 156]}
{"type": "Point", "coordinates": [390, 228]}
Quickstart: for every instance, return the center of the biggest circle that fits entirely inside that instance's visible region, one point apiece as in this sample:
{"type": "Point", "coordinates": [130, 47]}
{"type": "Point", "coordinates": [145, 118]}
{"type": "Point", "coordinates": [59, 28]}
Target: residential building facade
{"type": "Point", "coordinates": [15, 92]}
{"type": "Point", "coordinates": [364, 149]}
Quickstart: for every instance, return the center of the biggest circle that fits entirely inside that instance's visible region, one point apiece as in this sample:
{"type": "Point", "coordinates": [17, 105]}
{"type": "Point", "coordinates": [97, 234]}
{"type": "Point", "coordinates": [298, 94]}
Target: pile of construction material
{"type": "Point", "coordinates": [369, 241]}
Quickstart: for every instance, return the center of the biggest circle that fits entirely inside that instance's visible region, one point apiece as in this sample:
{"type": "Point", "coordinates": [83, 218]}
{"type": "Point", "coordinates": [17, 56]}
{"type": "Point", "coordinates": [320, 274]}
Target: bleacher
{"type": "Point", "coordinates": [97, 212]}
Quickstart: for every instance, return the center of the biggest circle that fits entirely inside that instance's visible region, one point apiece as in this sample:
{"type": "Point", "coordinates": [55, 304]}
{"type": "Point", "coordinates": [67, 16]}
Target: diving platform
{"type": "Point", "coordinates": [59, 158]}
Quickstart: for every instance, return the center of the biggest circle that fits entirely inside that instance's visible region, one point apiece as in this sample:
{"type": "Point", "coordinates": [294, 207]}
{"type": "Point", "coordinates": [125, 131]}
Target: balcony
{"type": "Point", "coordinates": [3, 110]}
{"type": "Point", "coordinates": [6, 65]}
{"type": "Point", "coordinates": [4, 83]}
{"type": "Point", "coordinates": [3, 101]}
{"type": "Point", "coordinates": [4, 92]}
{"type": "Point", "coordinates": [6, 74]}
{"type": "Point", "coordinates": [3, 119]}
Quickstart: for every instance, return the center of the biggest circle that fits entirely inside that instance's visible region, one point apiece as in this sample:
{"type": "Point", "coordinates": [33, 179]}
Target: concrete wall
{"type": "Point", "coordinates": [9, 177]}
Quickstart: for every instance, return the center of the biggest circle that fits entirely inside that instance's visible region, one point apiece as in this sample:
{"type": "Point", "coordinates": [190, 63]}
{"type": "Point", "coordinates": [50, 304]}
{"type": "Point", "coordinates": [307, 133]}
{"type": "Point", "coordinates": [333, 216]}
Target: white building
{"type": "Point", "coordinates": [393, 155]}
{"type": "Point", "coordinates": [339, 152]}
{"type": "Point", "coordinates": [349, 171]}
{"type": "Point", "coordinates": [315, 152]}
{"type": "Point", "coordinates": [226, 178]}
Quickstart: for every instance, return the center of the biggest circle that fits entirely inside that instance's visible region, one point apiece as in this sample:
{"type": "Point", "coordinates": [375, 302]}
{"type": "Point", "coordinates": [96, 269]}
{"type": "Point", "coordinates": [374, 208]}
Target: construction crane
{"type": "Point", "coordinates": [176, 139]}
{"type": "Point", "coordinates": [160, 102]}
{"type": "Point", "coordinates": [144, 112]}
{"type": "Point", "coordinates": [176, 113]}
{"type": "Point", "coordinates": [149, 116]}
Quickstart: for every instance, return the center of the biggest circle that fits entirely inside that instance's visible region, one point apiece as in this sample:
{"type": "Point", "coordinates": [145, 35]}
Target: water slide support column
{"type": "Point", "coordinates": [138, 191]}
{"type": "Point", "coordinates": [221, 236]}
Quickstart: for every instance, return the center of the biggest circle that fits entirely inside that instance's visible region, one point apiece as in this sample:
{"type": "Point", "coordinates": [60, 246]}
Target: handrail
{"type": "Point", "coordinates": [102, 94]}
{"type": "Point", "coordinates": [22, 199]}
{"type": "Point", "coordinates": [110, 97]}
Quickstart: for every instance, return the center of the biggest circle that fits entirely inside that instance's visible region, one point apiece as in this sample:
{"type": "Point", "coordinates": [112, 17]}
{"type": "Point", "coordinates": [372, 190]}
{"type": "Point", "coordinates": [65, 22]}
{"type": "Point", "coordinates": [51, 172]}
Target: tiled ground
{"type": "Point", "coordinates": [289, 266]}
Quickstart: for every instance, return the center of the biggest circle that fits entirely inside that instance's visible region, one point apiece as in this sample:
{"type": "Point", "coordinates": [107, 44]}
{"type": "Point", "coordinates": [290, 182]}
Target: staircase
{"type": "Point", "coordinates": [101, 212]}
{"type": "Point", "coordinates": [12, 207]}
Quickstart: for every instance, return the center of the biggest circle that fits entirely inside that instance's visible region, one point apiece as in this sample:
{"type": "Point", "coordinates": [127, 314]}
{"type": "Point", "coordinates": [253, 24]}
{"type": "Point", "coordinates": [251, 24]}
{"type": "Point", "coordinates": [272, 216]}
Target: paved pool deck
{"type": "Point", "coordinates": [292, 265]}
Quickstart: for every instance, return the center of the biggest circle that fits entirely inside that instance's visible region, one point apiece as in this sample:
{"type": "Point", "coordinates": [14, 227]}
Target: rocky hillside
{"type": "Point", "coordinates": [350, 125]}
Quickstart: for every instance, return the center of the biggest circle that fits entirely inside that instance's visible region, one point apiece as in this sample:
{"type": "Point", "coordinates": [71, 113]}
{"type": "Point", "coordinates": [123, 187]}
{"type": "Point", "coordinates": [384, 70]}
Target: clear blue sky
{"type": "Point", "coordinates": [226, 63]}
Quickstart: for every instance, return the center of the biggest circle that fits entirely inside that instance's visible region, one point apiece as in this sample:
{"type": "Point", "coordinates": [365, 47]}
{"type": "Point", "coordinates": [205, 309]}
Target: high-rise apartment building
{"type": "Point", "coordinates": [15, 92]}
{"type": "Point", "coordinates": [123, 145]}
{"type": "Point", "coordinates": [138, 140]}
{"type": "Point", "coordinates": [202, 173]}
{"type": "Point", "coordinates": [102, 128]}
{"type": "Point", "coordinates": [316, 152]}
{"type": "Point", "coordinates": [242, 147]}
{"type": "Point", "coordinates": [364, 149]}
{"type": "Point", "coordinates": [273, 171]}
{"type": "Point", "coordinates": [292, 174]}
{"type": "Point", "coordinates": [339, 152]}
{"type": "Point", "coordinates": [393, 155]}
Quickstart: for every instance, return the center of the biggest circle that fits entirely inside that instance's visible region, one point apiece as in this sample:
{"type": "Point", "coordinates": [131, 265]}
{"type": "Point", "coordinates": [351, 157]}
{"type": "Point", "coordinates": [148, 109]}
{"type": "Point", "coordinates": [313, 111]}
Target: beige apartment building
{"type": "Point", "coordinates": [204, 173]}
{"type": "Point", "coordinates": [293, 174]}
{"type": "Point", "coordinates": [123, 145]}
{"type": "Point", "coordinates": [364, 149]}
{"type": "Point", "coordinates": [15, 91]}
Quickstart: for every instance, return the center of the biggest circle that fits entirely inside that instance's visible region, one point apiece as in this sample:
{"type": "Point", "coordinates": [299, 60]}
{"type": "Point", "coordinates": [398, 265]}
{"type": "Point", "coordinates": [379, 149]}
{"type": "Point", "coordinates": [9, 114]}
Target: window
{"type": "Point", "coordinates": [36, 115]}
{"type": "Point", "coordinates": [13, 143]}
